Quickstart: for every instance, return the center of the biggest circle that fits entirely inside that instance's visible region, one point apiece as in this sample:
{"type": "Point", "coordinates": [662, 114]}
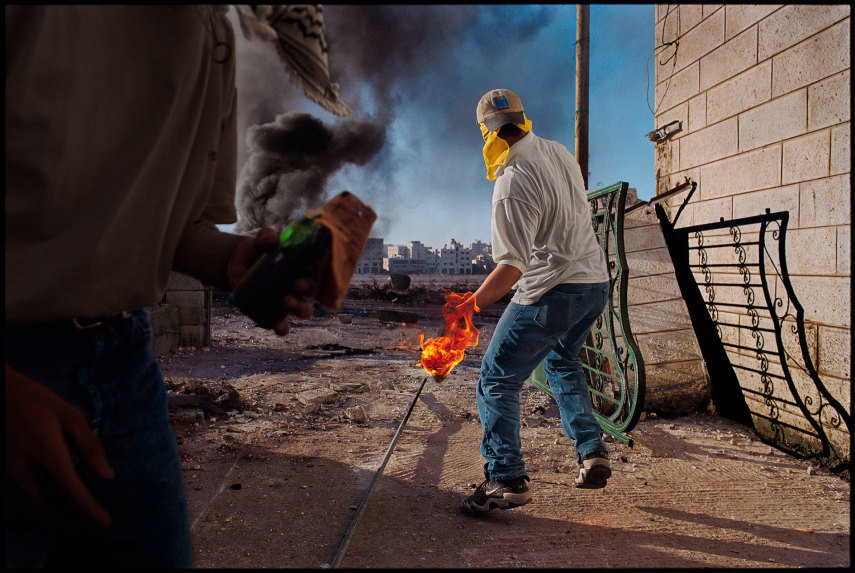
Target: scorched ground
{"type": "Point", "coordinates": [280, 438]}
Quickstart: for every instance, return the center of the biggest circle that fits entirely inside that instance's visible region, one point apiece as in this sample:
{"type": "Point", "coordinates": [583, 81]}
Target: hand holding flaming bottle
{"type": "Point", "coordinates": [441, 354]}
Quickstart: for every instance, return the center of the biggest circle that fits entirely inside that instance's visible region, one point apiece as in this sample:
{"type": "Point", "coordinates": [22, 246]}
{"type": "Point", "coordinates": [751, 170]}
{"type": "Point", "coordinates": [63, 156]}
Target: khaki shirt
{"type": "Point", "coordinates": [541, 220]}
{"type": "Point", "coordinates": [120, 155]}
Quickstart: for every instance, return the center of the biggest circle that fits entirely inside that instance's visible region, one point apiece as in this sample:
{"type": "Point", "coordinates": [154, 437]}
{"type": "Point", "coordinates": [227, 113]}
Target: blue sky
{"type": "Point", "coordinates": [421, 69]}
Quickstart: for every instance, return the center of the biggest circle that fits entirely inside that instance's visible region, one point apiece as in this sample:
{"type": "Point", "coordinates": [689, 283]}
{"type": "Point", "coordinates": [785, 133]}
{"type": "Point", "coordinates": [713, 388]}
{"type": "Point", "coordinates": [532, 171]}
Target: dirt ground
{"type": "Point", "coordinates": [281, 438]}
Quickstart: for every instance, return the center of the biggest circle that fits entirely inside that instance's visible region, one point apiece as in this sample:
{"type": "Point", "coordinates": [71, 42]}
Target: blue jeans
{"type": "Point", "coordinates": [109, 372]}
{"type": "Point", "coordinates": [551, 330]}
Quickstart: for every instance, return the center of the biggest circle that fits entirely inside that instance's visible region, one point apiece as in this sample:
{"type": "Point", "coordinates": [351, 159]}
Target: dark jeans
{"type": "Point", "coordinates": [109, 372]}
{"type": "Point", "coordinates": [551, 330]}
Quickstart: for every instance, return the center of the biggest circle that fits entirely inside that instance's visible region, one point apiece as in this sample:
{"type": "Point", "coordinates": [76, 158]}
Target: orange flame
{"type": "Point", "coordinates": [440, 355]}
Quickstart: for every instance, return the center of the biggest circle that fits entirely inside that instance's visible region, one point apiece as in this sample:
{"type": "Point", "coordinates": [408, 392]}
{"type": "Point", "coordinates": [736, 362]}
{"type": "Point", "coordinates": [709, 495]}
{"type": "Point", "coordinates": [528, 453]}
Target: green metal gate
{"type": "Point", "coordinates": [613, 364]}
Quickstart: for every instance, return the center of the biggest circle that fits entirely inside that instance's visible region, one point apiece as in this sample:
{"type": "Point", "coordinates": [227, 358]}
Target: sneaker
{"type": "Point", "coordinates": [594, 471]}
{"type": "Point", "coordinates": [493, 494]}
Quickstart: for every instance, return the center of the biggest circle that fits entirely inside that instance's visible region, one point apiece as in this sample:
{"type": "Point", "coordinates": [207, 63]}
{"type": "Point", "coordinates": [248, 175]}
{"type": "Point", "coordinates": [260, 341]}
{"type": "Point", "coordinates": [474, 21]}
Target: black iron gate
{"type": "Point", "coordinates": [751, 328]}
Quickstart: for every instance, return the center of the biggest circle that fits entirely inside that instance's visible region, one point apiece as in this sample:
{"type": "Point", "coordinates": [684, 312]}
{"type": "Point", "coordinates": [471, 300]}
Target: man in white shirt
{"type": "Point", "coordinates": [544, 243]}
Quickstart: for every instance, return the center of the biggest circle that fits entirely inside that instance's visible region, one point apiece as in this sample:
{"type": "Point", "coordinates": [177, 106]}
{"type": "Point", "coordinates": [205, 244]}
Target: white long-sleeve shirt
{"type": "Point", "coordinates": [541, 220]}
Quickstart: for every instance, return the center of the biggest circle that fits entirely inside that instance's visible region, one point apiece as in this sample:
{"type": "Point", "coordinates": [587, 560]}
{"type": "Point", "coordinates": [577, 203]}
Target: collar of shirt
{"type": "Point", "coordinates": [517, 148]}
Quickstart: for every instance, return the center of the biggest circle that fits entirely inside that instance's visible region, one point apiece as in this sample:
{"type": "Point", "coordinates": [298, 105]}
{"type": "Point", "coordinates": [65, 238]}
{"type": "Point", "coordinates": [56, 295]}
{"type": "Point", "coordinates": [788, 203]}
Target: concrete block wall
{"type": "Point", "coordinates": [763, 92]}
{"type": "Point", "coordinates": [677, 381]}
{"type": "Point", "coordinates": [183, 317]}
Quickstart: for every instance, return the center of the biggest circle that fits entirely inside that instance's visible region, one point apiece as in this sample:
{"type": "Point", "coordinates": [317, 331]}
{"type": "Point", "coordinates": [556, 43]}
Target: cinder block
{"type": "Point", "coordinates": [825, 202]}
{"type": "Point", "coordinates": [186, 298]}
{"type": "Point", "coordinates": [653, 288]}
{"type": "Point", "coordinates": [642, 238]}
{"type": "Point", "coordinates": [667, 159]}
{"type": "Point", "coordinates": [658, 317]}
{"type": "Point", "coordinates": [829, 101]}
{"type": "Point", "coordinates": [744, 365]}
{"type": "Point", "coordinates": [690, 16]}
{"type": "Point", "coordinates": [700, 39]}
{"type": "Point", "coordinates": [651, 262]}
{"type": "Point", "coordinates": [194, 335]}
{"type": "Point", "coordinates": [697, 113]}
{"type": "Point", "coordinates": [806, 157]}
{"type": "Point", "coordinates": [710, 9]}
{"type": "Point", "coordinates": [163, 318]}
{"type": "Point", "coordinates": [841, 157]}
{"type": "Point", "coordinates": [790, 338]}
{"type": "Point", "coordinates": [825, 54]}
{"type": "Point", "coordinates": [803, 246]}
{"type": "Point", "coordinates": [844, 250]}
{"type": "Point", "coordinates": [720, 250]}
{"type": "Point", "coordinates": [641, 217]}
{"type": "Point", "coordinates": [735, 56]}
{"type": "Point", "coordinates": [712, 210]}
{"type": "Point", "coordinates": [840, 438]}
{"type": "Point", "coordinates": [728, 325]}
{"type": "Point", "coordinates": [164, 343]}
{"type": "Point", "coordinates": [795, 22]}
{"type": "Point", "coordinates": [742, 92]}
{"type": "Point", "coordinates": [738, 17]}
{"type": "Point", "coordinates": [826, 300]}
{"type": "Point", "coordinates": [732, 294]}
{"type": "Point", "coordinates": [709, 144]}
{"type": "Point", "coordinates": [776, 199]}
{"type": "Point", "coordinates": [192, 315]}
{"type": "Point", "coordinates": [835, 368]}
{"type": "Point", "coordinates": [667, 24]}
{"type": "Point", "coordinates": [179, 281]}
{"type": "Point", "coordinates": [677, 89]}
{"type": "Point", "coordinates": [776, 120]}
{"type": "Point", "coordinates": [678, 113]}
{"type": "Point", "coordinates": [753, 171]}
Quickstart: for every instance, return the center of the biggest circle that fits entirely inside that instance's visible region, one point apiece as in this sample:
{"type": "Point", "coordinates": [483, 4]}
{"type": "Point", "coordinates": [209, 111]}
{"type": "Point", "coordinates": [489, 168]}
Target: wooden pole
{"type": "Point", "coordinates": [583, 15]}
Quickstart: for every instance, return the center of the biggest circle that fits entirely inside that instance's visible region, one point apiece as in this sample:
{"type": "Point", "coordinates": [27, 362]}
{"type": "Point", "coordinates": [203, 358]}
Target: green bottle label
{"type": "Point", "coordinates": [297, 232]}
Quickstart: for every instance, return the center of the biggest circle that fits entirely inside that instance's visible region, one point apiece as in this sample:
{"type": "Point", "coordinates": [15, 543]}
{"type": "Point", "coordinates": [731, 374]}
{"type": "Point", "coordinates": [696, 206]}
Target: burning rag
{"type": "Point", "coordinates": [300, 38]}
{"type": "Point", "coordinates": [496, 149]}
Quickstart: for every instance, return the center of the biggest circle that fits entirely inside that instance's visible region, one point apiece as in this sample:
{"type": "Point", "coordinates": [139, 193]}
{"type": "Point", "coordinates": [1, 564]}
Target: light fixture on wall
{"type": "Point", "coordinates": [665, 132]}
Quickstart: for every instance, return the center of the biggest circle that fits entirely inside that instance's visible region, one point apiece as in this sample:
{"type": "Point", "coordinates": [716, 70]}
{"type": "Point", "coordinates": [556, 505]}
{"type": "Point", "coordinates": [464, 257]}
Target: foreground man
{"type": "Point", "coordinates": [544, 243]}
{"type": "Point", "coordinates": [120, 159]}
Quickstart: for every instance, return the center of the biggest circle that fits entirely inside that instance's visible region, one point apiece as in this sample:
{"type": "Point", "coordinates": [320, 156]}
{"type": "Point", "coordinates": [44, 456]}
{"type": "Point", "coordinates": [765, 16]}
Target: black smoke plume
{"type": "Point", "coordinates": [291, 159]}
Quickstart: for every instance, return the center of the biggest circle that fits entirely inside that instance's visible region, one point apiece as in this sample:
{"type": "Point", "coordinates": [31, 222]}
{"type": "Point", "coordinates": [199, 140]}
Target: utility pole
{"type": "Point", "coordinates": [583, 16]}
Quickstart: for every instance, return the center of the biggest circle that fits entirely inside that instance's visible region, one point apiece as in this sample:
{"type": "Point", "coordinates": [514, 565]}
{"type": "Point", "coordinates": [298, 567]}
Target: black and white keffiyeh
{"type": "Point", "coordinates": [297, 31]}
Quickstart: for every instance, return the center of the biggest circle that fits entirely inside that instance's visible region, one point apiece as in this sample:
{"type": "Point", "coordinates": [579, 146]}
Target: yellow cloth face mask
{"type": "Point", "coordinates": [496, 149]}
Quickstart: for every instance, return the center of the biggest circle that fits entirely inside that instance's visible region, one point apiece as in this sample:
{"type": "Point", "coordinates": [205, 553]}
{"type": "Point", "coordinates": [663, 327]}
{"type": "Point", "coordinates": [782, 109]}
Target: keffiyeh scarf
{"type": "Point", "coordinates": [298, 32]}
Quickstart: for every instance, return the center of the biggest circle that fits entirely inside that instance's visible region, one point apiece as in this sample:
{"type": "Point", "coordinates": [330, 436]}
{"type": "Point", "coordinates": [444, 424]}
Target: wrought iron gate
{"type": "Point", "coordinates": [613, 364]}
{"type": "Point", "coordinates": [762, 339]}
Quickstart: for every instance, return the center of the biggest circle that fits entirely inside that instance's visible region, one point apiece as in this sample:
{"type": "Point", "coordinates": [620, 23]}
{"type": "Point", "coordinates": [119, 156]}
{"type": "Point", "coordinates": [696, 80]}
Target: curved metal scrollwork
{"type": "Point", "coordinates": [793, 408]}
{"type": "Point", "coordinates": [612, 361]}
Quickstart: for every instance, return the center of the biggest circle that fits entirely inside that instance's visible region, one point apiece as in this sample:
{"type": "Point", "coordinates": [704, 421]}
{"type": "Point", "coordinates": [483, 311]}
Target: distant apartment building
{"type": "Point", "coordinates": [432, 262]}
{"type": "Point", "coordinates": [483, 264]}
{"type": "Point", "coordinates": [482, 257]}
{"type": "Point", "coordinates": [479, 248]}
{"type": "Point", "coordinates": [371, 260]}
{"type": "Point", "coordinates": [397, 251]}
{"type": "Point", "coordinates": [455, 259]}
{"type": "Point", "coordinates": [417, 258]}
{"type": "Point", "coordinates": [418, 250]}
